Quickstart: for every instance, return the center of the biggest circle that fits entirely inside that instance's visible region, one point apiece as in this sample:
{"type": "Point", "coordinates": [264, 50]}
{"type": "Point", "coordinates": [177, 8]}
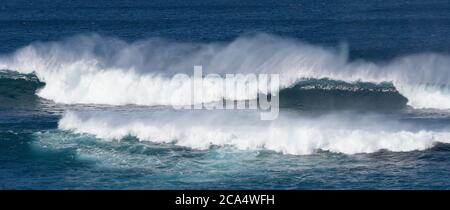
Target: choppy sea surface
{"type": "Point", "coordinates": [85, 94]}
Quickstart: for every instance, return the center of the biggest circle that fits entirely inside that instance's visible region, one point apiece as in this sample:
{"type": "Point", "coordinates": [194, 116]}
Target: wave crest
{"type": "Point", "coordinates": [99, 70]}
{"type": "Point", "coordinates": [289, 134]}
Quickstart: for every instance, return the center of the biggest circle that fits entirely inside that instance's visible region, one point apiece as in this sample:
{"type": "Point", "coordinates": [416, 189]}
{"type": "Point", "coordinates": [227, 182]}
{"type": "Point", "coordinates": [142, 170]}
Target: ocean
{"type": "Point", "coordinates": [86, 94]}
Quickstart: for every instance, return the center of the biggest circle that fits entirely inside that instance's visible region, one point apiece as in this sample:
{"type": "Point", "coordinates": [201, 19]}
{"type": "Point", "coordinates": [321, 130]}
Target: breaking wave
{"type": "Point", "coordinates": [91, 69]}
{"type": "Point", "coordinates": [311, 94]}
{"type": "Point", "coordinates": [289, 134]}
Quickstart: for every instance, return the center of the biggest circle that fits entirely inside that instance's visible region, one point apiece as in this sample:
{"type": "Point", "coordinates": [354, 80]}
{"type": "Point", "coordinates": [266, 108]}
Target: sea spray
{"type": "Point", "coordinates": [102, 70]}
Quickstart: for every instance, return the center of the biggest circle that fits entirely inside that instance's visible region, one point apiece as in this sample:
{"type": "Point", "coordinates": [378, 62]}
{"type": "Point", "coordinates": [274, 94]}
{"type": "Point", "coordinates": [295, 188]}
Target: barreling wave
{"type": "Point", "coordinates": [100, 70]}
{"type": "Point", "coordinates": [289, 134]}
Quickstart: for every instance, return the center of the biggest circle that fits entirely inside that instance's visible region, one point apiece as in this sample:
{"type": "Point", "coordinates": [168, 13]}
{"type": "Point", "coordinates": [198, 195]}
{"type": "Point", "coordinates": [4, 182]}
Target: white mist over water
{"type": "Point", "coordinates": [289, 134]}
{"type": "Point", "coordinates": [101, 70]}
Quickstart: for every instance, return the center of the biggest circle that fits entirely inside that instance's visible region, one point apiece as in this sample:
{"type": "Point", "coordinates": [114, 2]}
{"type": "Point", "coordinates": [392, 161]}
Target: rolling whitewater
{"type": "Point", "coordinates": [85, 103]}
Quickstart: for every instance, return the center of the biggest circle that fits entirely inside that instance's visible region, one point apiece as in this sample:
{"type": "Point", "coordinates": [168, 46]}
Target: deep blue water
{"type": "Point", "coordinates": [36, 153]}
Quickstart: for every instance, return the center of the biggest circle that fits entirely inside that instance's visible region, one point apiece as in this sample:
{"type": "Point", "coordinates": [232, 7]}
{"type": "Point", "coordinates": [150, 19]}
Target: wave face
{"type": "Point", "coordinates": [289, 134]}
{"type": "Point", "coordinates": [325, 94]}
{"type": "Point", "coordinates": [16, 88]}
{"type": "Point", "coordinates": [101, 70]}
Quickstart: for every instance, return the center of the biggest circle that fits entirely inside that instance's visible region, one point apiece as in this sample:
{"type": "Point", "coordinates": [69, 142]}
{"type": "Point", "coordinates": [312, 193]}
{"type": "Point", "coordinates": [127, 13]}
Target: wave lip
{"type": "Point", "coordinates": [288, 135]}
{"type": "Point", "coordinates": [102, 70]}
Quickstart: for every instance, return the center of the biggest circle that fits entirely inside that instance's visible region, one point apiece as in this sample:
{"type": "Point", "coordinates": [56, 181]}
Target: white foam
{"type": "Point", "coordinates": [99, 70]}
{"type": "Point", "coordinates": [288, 134]}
